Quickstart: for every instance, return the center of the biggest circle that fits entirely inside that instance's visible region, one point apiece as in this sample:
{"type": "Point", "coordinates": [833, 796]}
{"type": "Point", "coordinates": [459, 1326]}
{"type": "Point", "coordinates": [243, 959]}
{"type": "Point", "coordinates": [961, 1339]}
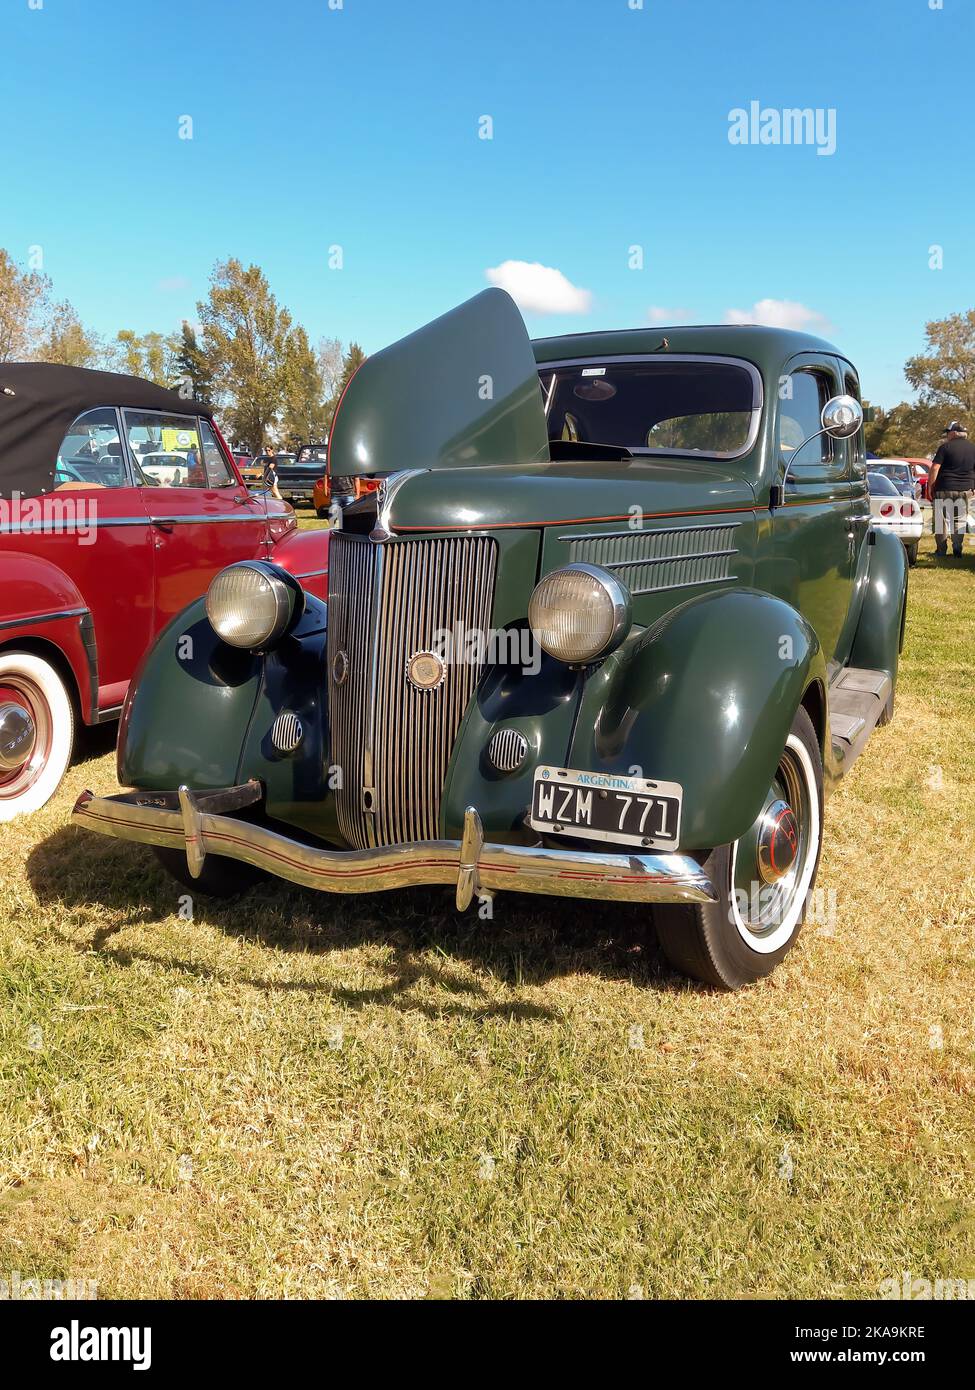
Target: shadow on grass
{"type": "Point", "coordinates": [528, 941]}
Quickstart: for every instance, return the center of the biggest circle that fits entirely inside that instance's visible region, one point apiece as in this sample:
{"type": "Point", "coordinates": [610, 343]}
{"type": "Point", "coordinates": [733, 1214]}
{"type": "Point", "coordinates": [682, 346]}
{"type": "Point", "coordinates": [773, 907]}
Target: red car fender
{"type": "Point", "coordinates": [305, 555]}
{"type": "Point", "coordinates": [50, 613]}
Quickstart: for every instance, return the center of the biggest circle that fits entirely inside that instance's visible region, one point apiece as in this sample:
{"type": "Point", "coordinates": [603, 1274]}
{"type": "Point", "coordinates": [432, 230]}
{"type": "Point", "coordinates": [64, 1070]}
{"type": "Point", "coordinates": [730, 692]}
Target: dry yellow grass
{"type": "Point", "coordinates": [294, 1095]}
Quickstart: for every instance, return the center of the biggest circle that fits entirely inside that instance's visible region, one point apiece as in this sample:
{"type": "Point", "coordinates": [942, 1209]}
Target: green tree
{"type": "Point", "coordinates": [304, 408]}
{"type": "Point", "coordinates": [193, 369]}
{"type": "Point", "coordinates": [944, 376]}
{"type": "Point", "coordinates": [351, 363]}
{"type": "Point", "coordinates": [149, 355]}
{"type": "Point", "coordinates": [245, 336]}
{"type": "Point", "coordinates": [23, 302]}
{"type": "Point", "coordinates": [66, 340]}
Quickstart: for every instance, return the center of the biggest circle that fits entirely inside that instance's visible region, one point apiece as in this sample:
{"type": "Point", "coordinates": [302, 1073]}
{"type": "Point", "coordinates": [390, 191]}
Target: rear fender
{"type": "Point", "coordinates": [879, 636]}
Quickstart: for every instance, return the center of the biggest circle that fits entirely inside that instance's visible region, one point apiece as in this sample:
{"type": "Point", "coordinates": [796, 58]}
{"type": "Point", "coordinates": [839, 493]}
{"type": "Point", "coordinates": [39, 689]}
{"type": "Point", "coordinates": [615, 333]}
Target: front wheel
{"type": "Point", "coordinates": [322, 513]}
{"type": "Point", "coordinates": [763, 880]}
{"type": "Point", "coordinates": [36, 733]}
{"type": "Point", "coordinates": [912, 553]}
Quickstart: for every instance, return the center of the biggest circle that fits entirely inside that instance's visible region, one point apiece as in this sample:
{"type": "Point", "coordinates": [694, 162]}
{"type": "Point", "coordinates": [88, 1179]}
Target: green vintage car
{"type": "Point", "coordinates": [614, 623]}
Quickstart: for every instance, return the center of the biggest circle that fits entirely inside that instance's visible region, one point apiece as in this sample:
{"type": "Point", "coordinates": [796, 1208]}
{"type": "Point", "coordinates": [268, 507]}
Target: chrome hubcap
{"type": "Point", "coordinates": [778, 841]}
{"type": "Point", "coordinates": [17, 736]}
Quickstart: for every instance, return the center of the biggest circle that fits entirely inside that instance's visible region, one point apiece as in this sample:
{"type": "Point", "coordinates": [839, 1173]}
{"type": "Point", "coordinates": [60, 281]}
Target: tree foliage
{"type": "Point", "coordinates": [149, 355]}
{"type": "Point", "coordinates": [245, 337]}
{"type": "Point", "coordinates": [66, 340]}
{"type": "Point", "coordinates": [23, 302]}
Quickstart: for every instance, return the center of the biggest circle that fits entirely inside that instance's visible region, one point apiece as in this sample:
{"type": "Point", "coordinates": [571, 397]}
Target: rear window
{"type": "Point", "coordinates": [664, 405]}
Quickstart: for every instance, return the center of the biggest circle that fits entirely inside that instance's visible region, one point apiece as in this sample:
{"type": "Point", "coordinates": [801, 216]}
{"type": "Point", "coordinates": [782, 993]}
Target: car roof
{"type": "Point", "coordinates": [40, 400]}
{"type": "Point", "coordinates": [754, 342]}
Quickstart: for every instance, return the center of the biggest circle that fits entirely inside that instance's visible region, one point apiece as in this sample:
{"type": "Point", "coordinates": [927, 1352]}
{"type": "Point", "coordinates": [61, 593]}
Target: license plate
{"type": "Point", "coordinates": [603, 806]}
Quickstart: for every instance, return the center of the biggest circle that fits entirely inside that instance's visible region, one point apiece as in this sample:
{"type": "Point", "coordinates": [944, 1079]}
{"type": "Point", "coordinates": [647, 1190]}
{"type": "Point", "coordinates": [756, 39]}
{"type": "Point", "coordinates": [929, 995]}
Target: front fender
{"type": "Point", "coordinates": [705, 698]}
{"type": "Point", "coordinates": [199, 712]}
{"type": "Point", "coordinates": [305, 555]}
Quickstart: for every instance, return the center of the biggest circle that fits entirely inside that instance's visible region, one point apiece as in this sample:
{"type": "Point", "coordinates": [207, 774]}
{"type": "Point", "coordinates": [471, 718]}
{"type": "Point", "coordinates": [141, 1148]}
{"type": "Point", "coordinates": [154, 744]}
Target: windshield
{"type": "Point", "coordinates": [664, 405]}
{"type": "Point", "coordinates": [880, 485]}
{"type": "Point", "coordinates": [900, 472]}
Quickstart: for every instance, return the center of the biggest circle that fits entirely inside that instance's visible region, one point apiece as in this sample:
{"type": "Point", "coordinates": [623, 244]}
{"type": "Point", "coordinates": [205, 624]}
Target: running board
{"type": "Point", "coordinates": [857, 699]}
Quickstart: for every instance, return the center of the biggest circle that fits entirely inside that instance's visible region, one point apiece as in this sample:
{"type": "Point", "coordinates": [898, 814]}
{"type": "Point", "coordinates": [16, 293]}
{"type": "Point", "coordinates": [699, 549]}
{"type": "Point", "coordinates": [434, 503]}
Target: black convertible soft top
{"type": "Point", "coordinates": [39, 400]}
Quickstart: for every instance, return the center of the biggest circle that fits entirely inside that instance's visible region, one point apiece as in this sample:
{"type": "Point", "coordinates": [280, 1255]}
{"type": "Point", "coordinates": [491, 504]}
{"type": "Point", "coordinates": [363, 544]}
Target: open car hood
{"type": "Point", "coordinates": [462, 391]}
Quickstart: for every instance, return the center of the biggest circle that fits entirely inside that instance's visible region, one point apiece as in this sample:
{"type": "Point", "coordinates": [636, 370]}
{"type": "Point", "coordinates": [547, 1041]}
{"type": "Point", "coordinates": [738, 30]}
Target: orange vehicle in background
{"type": "Point", "coordinates": [322, 495]}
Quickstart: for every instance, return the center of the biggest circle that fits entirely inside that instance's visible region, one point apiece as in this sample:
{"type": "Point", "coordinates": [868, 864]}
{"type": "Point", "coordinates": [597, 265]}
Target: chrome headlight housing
{"type": "Point", "coordinates": [253, 604]}
{"type": "Point", "coordinates": [580, 613]}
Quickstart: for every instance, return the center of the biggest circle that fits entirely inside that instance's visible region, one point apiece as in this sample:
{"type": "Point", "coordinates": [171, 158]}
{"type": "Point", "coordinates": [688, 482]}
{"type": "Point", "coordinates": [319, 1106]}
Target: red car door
{"type": "Point", "coordinates": [201, 517]}
{"type": "Point", "coordinates": [104, 546]}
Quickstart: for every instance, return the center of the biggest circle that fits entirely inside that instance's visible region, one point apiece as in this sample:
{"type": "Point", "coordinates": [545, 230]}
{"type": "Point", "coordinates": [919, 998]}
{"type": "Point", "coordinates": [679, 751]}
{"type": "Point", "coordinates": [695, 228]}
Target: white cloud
{"type": "Point", "coordinates": [172, 284]}
{"type": "Point", "coordinates": [658, 314]}
{"type": "Point", "coordinates": [539, 289]}
{"type": "Point", "coordinates": [778, 313]}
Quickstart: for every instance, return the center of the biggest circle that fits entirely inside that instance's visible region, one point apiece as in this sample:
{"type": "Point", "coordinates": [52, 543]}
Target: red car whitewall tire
{"type": "Point", "coordinates": [33, 684]}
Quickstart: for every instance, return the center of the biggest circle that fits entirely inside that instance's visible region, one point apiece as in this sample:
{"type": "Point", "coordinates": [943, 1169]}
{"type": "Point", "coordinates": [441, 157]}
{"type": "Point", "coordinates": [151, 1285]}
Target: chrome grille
{"type": "Point", "coordinates": [679, 557]}
{"type": "Point", "coordinates": [387, 601]}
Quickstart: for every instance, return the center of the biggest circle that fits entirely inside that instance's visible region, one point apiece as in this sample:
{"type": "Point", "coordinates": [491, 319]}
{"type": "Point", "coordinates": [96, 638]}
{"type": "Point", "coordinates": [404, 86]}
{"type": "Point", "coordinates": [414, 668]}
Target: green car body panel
{"type": "Point", "coordinates": [703, 690]}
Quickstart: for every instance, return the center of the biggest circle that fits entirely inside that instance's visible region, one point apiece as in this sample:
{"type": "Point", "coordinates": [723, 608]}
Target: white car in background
{"type": "Point", "coordinates": [165, 469]}
{"type": "Point", "coordinates": [891, 511]}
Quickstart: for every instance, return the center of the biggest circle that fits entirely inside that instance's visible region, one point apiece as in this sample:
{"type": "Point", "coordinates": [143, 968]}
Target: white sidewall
{"type": "Point", "coordinates": [783, 933]}
{"type": "Point", "coordinates": [44, 676]}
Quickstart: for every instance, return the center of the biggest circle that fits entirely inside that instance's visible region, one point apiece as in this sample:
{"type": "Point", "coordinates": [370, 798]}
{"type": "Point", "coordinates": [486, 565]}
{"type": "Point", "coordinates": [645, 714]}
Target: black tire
{"type": "Point", "coordinates": [322, 513]}
{"type": "Point", "coordinates": [221, 878]}
{"type": "Point", "coordinates": [912, 553]}
{"type": "Point", "coordinates": [711, 942]}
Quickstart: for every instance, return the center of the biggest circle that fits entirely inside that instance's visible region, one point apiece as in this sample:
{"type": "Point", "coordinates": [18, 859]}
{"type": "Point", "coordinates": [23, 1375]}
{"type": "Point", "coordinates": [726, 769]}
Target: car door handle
{"type": "Point", "coordinates": [161, 523]}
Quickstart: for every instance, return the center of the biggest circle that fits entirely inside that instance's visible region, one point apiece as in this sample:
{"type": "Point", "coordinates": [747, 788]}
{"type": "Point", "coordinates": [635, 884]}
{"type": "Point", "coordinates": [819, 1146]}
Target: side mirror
{"type": "Point", "coordinates": [842, 417]}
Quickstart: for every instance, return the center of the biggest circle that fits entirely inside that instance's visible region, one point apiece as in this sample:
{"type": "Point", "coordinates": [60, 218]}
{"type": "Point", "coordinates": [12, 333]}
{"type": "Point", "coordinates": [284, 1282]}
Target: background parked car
{"type": "Point", "coordinates": [921, 469]}
{"type": "Point", "coordinates": [97, 554]}
{"type": "Point", "coordinates": [893, 510]}
{"type": "Point", "coordinates": [322, 494]}
{"type": "Point", "coordinates": [900, 473]}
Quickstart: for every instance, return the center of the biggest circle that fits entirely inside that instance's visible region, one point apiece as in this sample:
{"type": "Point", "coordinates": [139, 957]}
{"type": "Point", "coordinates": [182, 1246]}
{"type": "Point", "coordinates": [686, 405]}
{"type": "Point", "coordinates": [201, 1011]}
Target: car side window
{"type": "Point", "coordinates": [218, 474]}
{"type": "Point", "coordinates": [91, 453]}
{"type": "Point", "coordinates": [169, 451]}
{"type": "Point", "coordinates": [801, 399]}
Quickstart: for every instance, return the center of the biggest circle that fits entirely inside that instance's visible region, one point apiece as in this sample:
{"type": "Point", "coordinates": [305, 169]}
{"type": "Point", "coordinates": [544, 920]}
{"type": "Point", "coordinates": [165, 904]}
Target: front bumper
{"type": "Point", "coordinates": [194, 822]}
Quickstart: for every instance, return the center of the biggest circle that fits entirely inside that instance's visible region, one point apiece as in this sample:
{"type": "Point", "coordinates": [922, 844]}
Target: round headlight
{"type": "Point", "coordinates": [252, 604]}
{"type": "Point", "coordinates": [579, 613]}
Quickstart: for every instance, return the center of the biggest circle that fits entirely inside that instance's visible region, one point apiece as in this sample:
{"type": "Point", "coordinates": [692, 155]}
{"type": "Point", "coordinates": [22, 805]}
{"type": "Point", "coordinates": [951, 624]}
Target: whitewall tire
{"type": "Point", "coordinates": [36, 732]}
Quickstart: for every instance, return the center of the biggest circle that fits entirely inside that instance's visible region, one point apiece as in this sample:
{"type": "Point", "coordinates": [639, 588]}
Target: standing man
{"type": "Point", "coordinates": [951, 483]}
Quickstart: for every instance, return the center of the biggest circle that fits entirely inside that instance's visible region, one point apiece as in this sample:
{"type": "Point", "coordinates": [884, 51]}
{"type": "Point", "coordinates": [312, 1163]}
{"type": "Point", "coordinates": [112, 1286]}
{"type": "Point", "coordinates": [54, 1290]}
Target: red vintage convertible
{"type": "Point", "coordinates": [119, 502]}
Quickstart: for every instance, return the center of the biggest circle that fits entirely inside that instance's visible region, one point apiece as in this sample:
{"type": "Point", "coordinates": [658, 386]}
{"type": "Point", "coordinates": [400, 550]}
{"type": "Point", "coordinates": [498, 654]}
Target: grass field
{"type": "Point", "coordinates": [298, 1096]}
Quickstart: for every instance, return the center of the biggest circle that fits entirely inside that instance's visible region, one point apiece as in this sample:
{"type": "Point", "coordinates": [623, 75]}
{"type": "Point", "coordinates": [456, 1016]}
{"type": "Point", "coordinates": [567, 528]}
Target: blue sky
{"type": "Point", "coordinates": [358, 127]}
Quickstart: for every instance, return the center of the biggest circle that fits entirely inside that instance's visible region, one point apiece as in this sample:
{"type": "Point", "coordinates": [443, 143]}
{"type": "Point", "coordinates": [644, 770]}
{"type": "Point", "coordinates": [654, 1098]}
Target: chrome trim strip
{"type": "Point", "coordinates": [668, 559]}
{"type": "Point", "coordinates": [693, 584]}
{"type": "Point", "coordinates": [648, 531]}
{"type": "Point", "coordinates": [210, 519]}
{"type": "Point", "coordinates": [98, 523]}
{"type": "Point", "coordinates": [43, 618]}
{"type": "Point", "coordinates": [641, 878]}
